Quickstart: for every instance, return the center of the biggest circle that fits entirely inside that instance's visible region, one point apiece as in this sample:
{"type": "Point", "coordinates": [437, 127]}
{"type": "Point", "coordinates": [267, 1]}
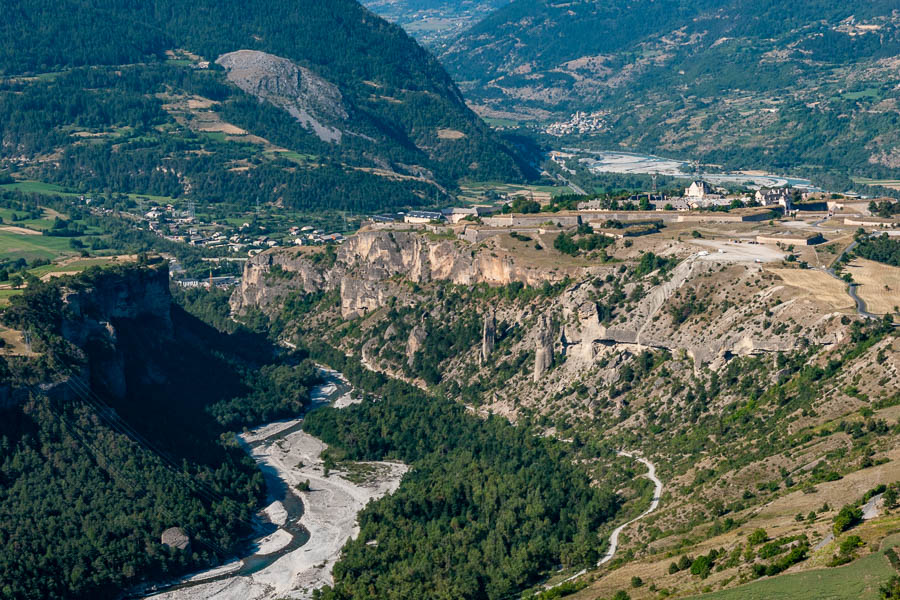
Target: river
{"type": "Point", "coordinates": [647, 164]}
{"type": "Point", "coordinates": [301, 532]}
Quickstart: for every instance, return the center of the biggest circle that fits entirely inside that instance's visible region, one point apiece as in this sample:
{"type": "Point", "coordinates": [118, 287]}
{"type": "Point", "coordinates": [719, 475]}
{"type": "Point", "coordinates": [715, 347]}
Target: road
{"type": "Point", "coordinates": [614, 537]}
{"type": "Point", "coordinates": [654, 504]}
{"type": "Point", "coordinates": [572, 186]}
{"type": "Point", "coordinates": [851, 289]}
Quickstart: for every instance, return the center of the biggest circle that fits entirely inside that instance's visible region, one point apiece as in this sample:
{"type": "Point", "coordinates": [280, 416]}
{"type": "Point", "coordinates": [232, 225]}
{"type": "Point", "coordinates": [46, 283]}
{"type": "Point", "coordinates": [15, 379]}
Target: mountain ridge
{"type": "Point", "coordinates": [807, 85]}
{"type": "Point", "coordinates": [397, 97]}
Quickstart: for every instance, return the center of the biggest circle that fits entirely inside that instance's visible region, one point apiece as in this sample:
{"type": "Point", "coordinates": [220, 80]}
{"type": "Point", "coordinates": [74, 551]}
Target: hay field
{"type": "Point", "coordinates": [818, 285]}
{"type": "Point", "coordinates": [879, 284]}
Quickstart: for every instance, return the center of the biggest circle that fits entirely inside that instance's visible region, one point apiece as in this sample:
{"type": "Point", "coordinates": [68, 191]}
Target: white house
{"type": "Point", "coordinates": [699, 190]}
{"type": "Point", "coordinates": [776, 197]}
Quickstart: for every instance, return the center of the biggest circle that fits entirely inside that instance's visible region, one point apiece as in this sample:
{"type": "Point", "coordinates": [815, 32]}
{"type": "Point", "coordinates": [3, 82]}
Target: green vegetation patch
{"type": "Point", "coordinates": [29, 247]}
{"type": "Point", "coordinates": [858, 580]}
{"type": "Point", "coordinates": [479, 492]}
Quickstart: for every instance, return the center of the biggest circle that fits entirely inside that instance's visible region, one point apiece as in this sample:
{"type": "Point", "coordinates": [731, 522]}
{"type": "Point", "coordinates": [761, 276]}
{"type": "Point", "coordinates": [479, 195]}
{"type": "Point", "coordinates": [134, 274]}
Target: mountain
{"type": "Point", "coordinates": [763, 84]}
{"type": "Point", "coordinates": [316, 104]}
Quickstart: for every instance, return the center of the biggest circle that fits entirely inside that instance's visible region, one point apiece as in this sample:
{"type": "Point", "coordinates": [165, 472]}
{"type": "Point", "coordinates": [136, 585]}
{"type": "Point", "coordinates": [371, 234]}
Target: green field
{"type": "Point", "coordinates": [296, 157]}
{"type": "Point", "coordinates": [866, 93]}
{"type": "Point", "coordinates": [888, 183]}
{"type": "Point", "coordinates": [504, 188]}
{"type": "Point", "coordinates": [73, 267]}
{"type": "Point", "coordinates": [37, 187]}
{"type": "Point", "coordinates": [6, 294]}
{"type": "Point", "coordinates": [51, 189]}
{"type": "Point", "coordinates": [29, 247]}
{"type": "Point", "coordinates": [45, 222]}
{"type": "Point", "coordinates": [495, 122]}
{"type": "Point", "coordinates": [859, 580]}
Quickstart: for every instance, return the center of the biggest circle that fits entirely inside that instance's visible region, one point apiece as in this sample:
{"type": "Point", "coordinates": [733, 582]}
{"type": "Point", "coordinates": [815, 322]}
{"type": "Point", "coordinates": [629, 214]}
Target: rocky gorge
{"type": "Point", "coordinates": [742, 303]}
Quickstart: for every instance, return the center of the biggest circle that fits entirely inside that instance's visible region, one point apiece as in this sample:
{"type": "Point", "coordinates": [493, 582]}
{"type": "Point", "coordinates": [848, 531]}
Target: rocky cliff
{"type": "Point", "coordinates": [701, 308]}
{"type": "Point", "coordinates": [367, 266]}
{"type": "Point", "coordinates": [95, 309]}
{"type": "Point", "coordinates": [754, 323]}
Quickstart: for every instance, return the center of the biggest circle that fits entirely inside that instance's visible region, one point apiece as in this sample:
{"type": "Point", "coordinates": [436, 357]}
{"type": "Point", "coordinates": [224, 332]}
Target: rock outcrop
{"type": "Point", "coordinates": [96, 308]}
{"type": "Point", "coordinates": [177, 538]}
{"type": "Point", "coordinates": [488, 336]}
{"type": "Point", "coordinates": [543, 347]}
{"type": "Point", "coordinates": [737, 331]}
{"type": "Point", "coordinates": [312, 100]}
{"type": "Point", "coordinates": [95, 311]}
{"type": "Point", "coordinates": [414, 342]}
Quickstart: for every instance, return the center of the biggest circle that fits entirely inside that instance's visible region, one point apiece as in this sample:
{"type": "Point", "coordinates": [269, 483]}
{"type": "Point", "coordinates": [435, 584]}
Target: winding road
{"type": "Point", "coordinates": [614, 537]}
{"type": "Point", "coordinates": [851, 289]}
{"type": "Point", "coordinates": [654, 504]}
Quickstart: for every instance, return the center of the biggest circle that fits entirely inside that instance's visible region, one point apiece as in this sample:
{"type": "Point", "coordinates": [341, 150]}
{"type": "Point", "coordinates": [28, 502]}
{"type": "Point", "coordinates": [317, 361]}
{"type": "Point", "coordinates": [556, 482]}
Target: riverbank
{"type": "Point", "coordinates": [292, 457]}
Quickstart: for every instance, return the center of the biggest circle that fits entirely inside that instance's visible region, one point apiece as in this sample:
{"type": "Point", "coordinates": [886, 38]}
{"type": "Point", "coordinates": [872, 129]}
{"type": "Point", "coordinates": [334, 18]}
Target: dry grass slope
{"type": "Point", "coordinates": [879, 285]}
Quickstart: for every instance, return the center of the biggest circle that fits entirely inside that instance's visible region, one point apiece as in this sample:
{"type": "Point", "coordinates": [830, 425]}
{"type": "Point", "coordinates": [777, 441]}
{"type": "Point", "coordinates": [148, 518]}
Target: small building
{"type": "Point", "coordinates": [457, 214]}
{"type": "Point", "coordinates": [791, 238]}
{"type": "Point", "coordinates": [699, 190]}
{"type": "Point", "coordinates": [783, 197]}
{"type": "Point", "coordinates": [671, 204]}
{"type": "Point", "coordinates": [422, 216]}
{"type": "Point", "coordinates": [872, 222]}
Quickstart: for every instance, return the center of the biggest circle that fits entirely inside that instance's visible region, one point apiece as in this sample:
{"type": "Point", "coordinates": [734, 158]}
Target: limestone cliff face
{"type": "Point", "coordinates": [366, 267]}
{"type": "Point", "coordinates": [138, 293]}
{"type": "Point", "coordinates": [94, 313]}
{"type": "Point", "coordinates": [543, 347]}
{"type": "Point", "coordinates": [270, 276]}
{"type": "Point", "coordinates": [488, 336]}
{"type": "Point", "coordinates": [733, 309]}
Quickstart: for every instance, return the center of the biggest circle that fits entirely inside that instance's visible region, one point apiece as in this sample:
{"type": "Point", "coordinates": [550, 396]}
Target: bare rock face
{"type": "Point", "coordinates": [176, 537]}
{"type": "Point", "coordinates": [415, 341]}
{"type": "Point", "coordinates": [543, 347]}
{"type": "Point", "coordinates": [92, 311]}
{"type": "Point", "coordinates": [262, 288]}
{"type": "Point", "coordinates": [315, 102]}
{"type": "Point", "coordinates": [365, 270]}
{"type": "Point", "coordinates": [488, 336]}
{"type": "Point", "coordinates": [737, 331]}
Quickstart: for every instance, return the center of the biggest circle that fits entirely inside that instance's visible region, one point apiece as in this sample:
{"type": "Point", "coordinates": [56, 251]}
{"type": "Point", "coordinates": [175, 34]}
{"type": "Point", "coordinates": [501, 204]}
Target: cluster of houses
{"type": "Point", "coordinates": [700, 194]}
{"type": "Point", "coordinates": [182, 226]}
{"type": "Point", "coordinates": [580, 123]}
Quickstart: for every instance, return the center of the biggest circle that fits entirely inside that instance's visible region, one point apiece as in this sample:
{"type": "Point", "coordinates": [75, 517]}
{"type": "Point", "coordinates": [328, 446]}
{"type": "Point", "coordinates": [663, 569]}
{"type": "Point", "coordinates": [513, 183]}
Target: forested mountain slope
{"type": "Point", "coordinates": [106, 92]}
{"type": "Point", "coordinates": [745, 83]}
{"type": "Point", "coordinates": [112, 429]}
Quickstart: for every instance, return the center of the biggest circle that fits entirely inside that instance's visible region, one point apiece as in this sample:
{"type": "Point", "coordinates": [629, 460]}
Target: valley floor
{"type": "Point", "coordinates": [330, 509]}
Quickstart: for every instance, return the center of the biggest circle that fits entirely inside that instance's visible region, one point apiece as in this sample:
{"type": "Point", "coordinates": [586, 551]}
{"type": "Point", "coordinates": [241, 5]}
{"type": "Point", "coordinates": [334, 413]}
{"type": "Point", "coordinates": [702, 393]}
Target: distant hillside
{"type": "Point", "coordinates": [745, 83]}
{"type": "Point", "coordinates": [434, 22]}
{"type": "Point", "coordinates": [117, 95]}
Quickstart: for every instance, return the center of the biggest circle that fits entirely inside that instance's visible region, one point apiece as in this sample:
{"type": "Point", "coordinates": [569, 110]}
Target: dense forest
{"type": "Point", "coordinates": [486, 509]}
{"type": "Point", "coordinates": [90, 478]}
{"type": "Point", "coordinates": [881, 248]}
